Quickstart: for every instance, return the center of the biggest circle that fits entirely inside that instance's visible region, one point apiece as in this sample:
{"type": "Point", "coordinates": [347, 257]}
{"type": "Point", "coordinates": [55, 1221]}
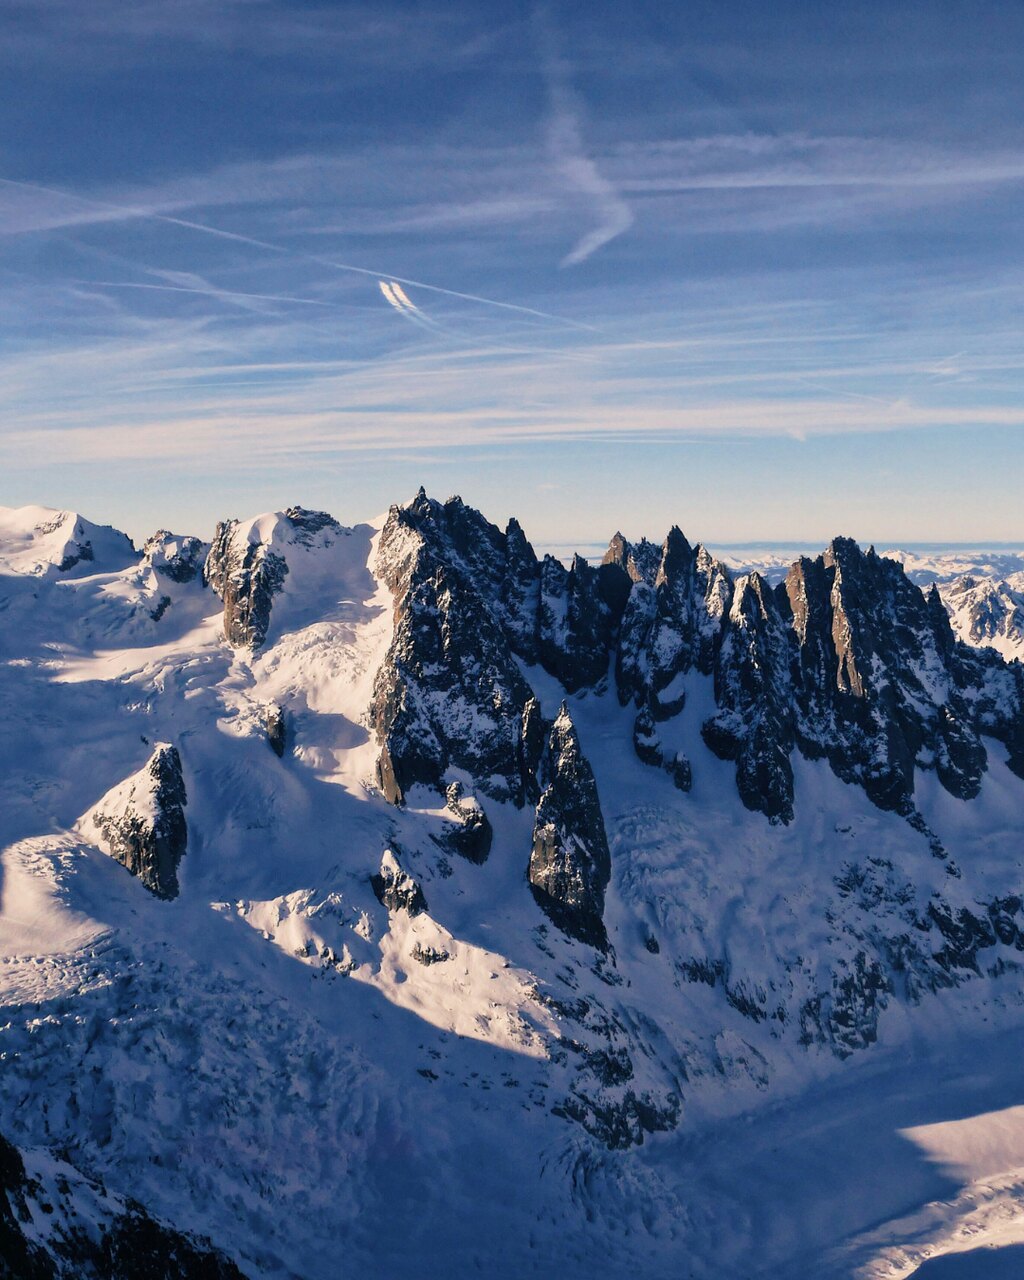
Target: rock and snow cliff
{"type": "Point", "coordinates": [988, 612]}
{"type": "Point", "coordinates": [544, 863]}
{"type": "Point", "coordinates": [141, 822]}
{"type": "Point", "coordinates": [57, 1225]}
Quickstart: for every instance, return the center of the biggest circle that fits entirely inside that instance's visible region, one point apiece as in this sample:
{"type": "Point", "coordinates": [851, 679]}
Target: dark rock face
{"type": "Point", "coordinates": [574, 624]}
{"type": "Point", "coordinates": [670, 623]}
{"type": "Point", "coordinates": [470, 834]}
{"type": "Point", "coordinates": [124, 1244]}
{"type": "Point", "coordinates": [570, 864]}
{"type": "Point", "coordinates": [246, 578]}
{"type": "Point", "coordinates": [305, 524]}
{"type": "Point", "coordinates": [395, 889]}
{"type": "Point", "coordinates": [248, 574]}
{"type": "Point", "coordinates": [83, 554]}
{"type": "Point", "coordinates": [648, 747]}
{"type": "Point", "coordinates": [20, 1258]}
{"type": "Point", "coordinates": [847, 661]}
{"type": "Point", "coordinates": [430, 955]}
{"type": "Point", "coordinates": [176, 557]}
{"type": "Point", "coordinates": [277, 729]}
{"type": "Point", "coordinates": [753, 725]}
{"type": "Point", "coordinates": [450, 693]}
{"type": "Point", "coordinates": [143, 822]}
{"type": "Point", "coordinates": [880, 682]}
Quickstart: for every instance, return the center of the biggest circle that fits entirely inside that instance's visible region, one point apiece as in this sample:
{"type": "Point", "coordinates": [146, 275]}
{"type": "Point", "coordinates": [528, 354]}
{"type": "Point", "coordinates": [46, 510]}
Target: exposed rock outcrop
{"type": "Point", "coordinates": [649, 748]}
{"type": "Point", "coordinates": [246, 575]}
{"type": "Point", "coordinates": [754, 723]}
{"type": "Point", "coordinates": [574, 624]}
{"type": "Point", "coordinates": [881, 685]}
{"type": "Point", "coordinates": [247, 566]}
{"type": "Point", "coordinates": [142, 822]}
{"type": "Point", "coordinates": [670, 623]}
{"type": "Point", "coordinates": [570, 864]}
{"type": "Point", "coordinates": [277, 728]}
{"type": "Point", "coordinates": [846, 661]}
{"type": "Point", "coordinates": [470, 833]}
{"type": "Point", "coordinates": [176, 556]}
{"type": "Point", "coordinates": [396, 889]}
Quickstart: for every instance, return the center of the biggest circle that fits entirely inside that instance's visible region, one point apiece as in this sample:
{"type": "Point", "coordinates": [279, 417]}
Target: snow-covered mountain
{"type": "Point", "coordinates": [390, 900]}
{"type": "Point", "coordinates": [988, 611]}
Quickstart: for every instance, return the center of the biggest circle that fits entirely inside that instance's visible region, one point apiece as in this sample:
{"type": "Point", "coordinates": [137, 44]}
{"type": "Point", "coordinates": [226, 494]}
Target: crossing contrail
{"type": "Point", "coordinates": [204, 228]}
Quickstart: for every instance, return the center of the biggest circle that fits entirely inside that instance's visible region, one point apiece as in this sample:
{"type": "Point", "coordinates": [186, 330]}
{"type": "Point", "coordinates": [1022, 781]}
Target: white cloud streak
{"type": "Point", "coordinates": [570, 158]}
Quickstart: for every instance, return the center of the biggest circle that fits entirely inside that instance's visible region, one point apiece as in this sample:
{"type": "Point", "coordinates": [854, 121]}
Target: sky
{"type": "Point", "coordinates": [751, 269]}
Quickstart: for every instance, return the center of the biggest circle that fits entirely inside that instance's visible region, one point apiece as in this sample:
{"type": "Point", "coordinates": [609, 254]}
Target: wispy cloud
{"type": "Point", "coordinates": [112, 32]}
{"type": "Point", "coordinates": [569, 155]}
{"type": "Point", "coordinates": [211, 390]}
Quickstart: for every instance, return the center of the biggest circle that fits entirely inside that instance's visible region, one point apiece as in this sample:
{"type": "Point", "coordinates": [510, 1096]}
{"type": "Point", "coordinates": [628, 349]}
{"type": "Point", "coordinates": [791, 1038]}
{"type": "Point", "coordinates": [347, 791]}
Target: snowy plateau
{"type": "Point", "coordinates": [391, 901]}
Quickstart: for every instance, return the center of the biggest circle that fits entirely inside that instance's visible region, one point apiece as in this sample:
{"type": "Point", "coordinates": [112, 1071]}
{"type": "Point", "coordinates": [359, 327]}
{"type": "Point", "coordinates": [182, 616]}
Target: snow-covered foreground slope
{"type": "Point", "coordinates": [355, 1041]}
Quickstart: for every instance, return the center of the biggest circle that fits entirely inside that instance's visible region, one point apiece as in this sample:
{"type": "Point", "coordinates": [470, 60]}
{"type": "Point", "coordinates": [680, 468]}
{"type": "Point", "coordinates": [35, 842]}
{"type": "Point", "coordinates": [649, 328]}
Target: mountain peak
{"type": "Point", "coordinates": [45, 542]}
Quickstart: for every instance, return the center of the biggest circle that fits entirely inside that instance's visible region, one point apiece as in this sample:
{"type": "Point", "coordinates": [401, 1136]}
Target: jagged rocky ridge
{"type": "Point", "coordinates": [570, 865]}
{"type": "Point", "coordinates": [451, 696]}
{"type": "Point", "coordinates": [847, 660]}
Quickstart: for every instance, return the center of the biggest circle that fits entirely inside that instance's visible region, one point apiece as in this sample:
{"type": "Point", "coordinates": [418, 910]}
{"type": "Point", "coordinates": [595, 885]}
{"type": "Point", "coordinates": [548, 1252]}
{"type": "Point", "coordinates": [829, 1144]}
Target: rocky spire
{"type": "Point", "coordinates": [570, 864]}
{"type": "Point", "coordinates": [754, 722]}
{"type": "Point", "coordinates": [450, 693]}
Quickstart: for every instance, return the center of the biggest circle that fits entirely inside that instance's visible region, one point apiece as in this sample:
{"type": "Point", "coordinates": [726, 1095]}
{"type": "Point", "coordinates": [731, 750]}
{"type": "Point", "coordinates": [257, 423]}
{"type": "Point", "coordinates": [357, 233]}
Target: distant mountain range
{"type": "Point", "coordinates": [394, 900]}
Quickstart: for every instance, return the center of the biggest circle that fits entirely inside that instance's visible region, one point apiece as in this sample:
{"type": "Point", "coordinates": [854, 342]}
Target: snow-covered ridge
{"type": "Point", "coordinates": [43, 542]}
{"type": "Point", "coordinates": [356, 1012]}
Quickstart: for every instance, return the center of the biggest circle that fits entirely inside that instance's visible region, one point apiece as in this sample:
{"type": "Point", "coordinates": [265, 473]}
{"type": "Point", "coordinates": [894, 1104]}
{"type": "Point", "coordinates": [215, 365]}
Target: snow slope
{"type": "Point", "coordinates": [325, 1086]}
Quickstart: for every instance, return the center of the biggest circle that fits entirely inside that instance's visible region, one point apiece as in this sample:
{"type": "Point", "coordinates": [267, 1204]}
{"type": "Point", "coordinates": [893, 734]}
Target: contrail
{"type": "Point", "coordinates": [399, 293]}
{"type": "Point", "coordinates": [205, 228]}
{"type": "Point", "coordinates": [206, 293]}
{"type": "Point", "coordinates": [567, 150]}
{"type": "Point", "coordinates": [395, 294]}
{"type": "Point", "coordinates": [388, 293]}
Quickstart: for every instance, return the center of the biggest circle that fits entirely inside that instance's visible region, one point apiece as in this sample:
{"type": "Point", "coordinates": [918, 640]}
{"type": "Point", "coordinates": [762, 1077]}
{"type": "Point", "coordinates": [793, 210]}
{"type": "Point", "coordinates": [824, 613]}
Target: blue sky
{"type": "Point", "coordinates": [751, 269]}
